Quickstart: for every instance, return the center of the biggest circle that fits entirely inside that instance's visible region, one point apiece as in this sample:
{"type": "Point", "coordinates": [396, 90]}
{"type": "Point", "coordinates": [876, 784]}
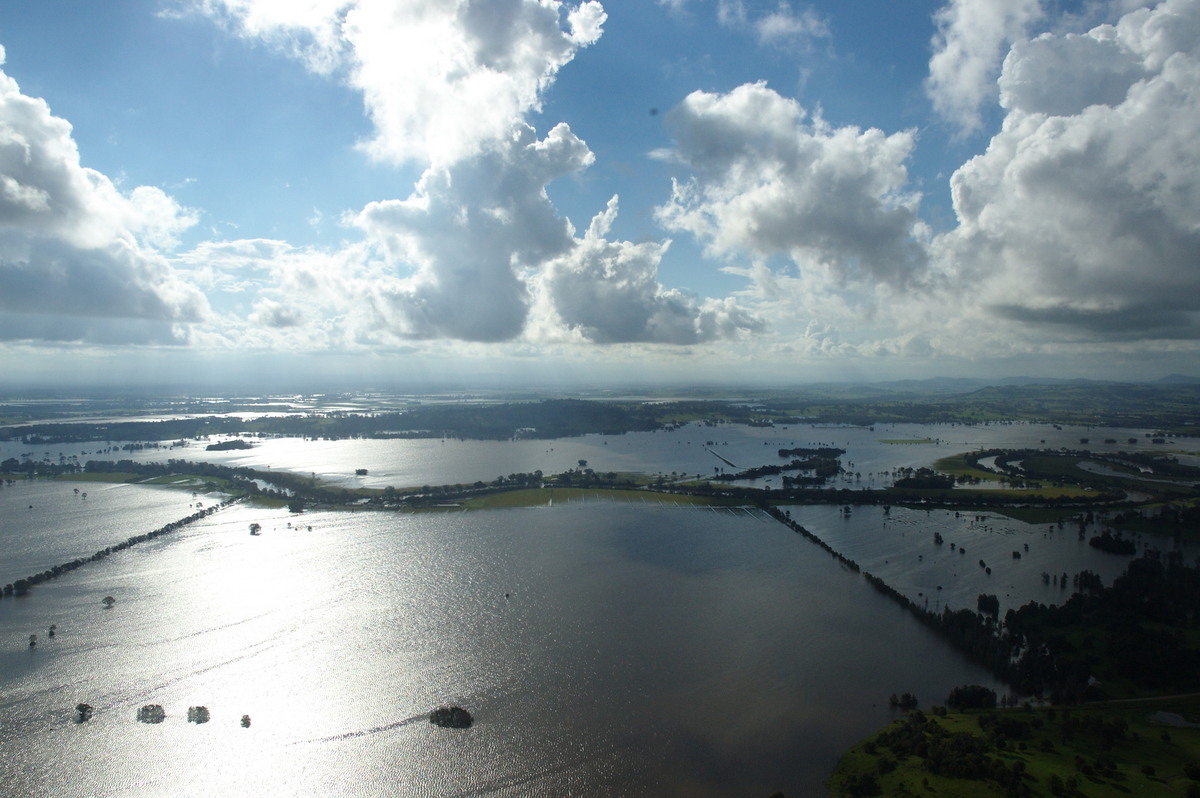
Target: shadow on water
{"type": "Point", "coordinates": [654, 539]}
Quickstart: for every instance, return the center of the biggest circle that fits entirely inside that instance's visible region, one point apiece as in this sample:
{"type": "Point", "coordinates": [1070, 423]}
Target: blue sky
{"type": "Point", "coordinates": [542, 192]}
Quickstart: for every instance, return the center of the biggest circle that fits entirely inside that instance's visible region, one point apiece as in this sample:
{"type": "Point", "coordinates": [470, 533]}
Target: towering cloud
{"type": "Point", "coordinates": [448, 85]}
{"type": "Point", "coordinates": [1082, 218]}
{"type": "Point", "coordinates": [472, 230]}
{"type": "Point", "coordinates": [80, 260]}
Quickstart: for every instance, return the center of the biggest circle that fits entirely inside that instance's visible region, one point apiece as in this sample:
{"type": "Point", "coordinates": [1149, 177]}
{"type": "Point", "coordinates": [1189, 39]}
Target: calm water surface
{"type": "Point", "coordinates": [604, 650]}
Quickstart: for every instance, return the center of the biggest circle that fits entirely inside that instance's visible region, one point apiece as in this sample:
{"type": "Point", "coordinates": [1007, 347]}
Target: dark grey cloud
{"type": "Point", "coordinates": [19, 326]}
{"type": "Point", "coordinates": [49, 275]}
{"type": "Point", "coordinates": [1129, 322]}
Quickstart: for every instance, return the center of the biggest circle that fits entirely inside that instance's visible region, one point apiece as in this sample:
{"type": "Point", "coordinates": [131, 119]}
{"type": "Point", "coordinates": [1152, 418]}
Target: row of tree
{"type": "Point", "coordinates": [21, 587]}
{"type": "Point", "coordinates": [785, 518]}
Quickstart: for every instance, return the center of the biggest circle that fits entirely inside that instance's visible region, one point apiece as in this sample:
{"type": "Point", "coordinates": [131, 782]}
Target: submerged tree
{"type": "Point", "coordinates": [451, 717]}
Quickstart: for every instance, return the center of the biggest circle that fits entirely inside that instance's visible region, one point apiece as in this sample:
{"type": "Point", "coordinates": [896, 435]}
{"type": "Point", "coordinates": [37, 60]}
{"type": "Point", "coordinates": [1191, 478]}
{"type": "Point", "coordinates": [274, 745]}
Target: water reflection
{"type": "Point", "coordinates": [602, 649]}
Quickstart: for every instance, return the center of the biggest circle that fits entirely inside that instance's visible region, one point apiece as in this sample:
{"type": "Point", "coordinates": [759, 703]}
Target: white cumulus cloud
{"type": "Point", "coordinates": [74, 247]}
{"type": "Point", "coordinates": [471, 231]}
{"type": "Point", "coordinates": [608, 292]}
{"type": "Point", "coordinates": [1081, 221]}
{"type": "Point", "coordinates": [477, 246]}
{"type": "Point", "coordinates": [969, 46]}
{"type": "Point", "coordinates": [768, 182]}
{"type": "Point", "coordinates": [1101, 72]}
{"type": "Point", "coordinates": [441, 79]}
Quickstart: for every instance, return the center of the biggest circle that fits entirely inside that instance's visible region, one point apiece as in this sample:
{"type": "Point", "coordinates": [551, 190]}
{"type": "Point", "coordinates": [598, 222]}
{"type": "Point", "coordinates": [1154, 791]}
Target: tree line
{"type": "Point", "coordinates": [553, 418]}
{"type": "Point", "coordinates": [21, 587]}
{"type": "Point", "coordinates": [1139, 630]}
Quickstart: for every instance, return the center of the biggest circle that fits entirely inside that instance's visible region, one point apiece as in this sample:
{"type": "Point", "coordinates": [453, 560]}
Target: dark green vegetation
{"type": "Point", "coordinates": [1139, 636]}
{"type": "Point", "coordinates": [299, 492]}
{"type": "Point", "coordinates": [822, 463]}
{"type": "Point", "coordinates": [1097, 750]}
{"type": "Point", "coordinates": [226, 446]}
{"type": "Point", "coordinates": [547, 419]}
{"type": "Point", "coordinates": [1169, 408]}
{"type": "Point", "coordinates": [1133, 640]}
{"type": "Point", "coordinates": [1135, 637]}
{"type": "Point", "coordinates": [536, 497]}
{"type": "Point", "coordinates": [451, 717]}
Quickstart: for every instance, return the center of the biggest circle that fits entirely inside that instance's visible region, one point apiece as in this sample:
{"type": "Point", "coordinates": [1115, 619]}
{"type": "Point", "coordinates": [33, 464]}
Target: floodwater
{"type": "Point", "coordinates": [43, 523]}
{"type": "Point", "coordinates": [693, 450]}
{"type": "Point", "coordinates": [976, 554]}
{"type": "Point", "coordinates": [603, 649]}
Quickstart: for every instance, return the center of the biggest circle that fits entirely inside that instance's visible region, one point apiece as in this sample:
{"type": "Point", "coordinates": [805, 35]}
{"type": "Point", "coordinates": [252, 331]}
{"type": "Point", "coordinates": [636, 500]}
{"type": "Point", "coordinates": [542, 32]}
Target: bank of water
{"type": "Point", "coordinates": [603, 649]}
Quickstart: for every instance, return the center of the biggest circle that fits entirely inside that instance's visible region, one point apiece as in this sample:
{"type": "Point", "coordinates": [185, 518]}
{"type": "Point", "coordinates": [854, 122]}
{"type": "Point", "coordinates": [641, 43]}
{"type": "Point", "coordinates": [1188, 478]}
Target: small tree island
{"type": "Point", "coordinates": [226, 446]}
{"type": "Point", "coordinates": [453, 717]}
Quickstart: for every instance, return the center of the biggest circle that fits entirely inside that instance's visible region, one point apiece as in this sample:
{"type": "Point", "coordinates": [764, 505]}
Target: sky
{"type": "Point", "coordinates": [356, 193]}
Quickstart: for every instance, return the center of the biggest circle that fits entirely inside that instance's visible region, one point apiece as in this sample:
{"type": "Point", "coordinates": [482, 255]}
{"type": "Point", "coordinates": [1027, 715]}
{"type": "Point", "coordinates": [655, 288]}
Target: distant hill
{"type": "Point", "coordinates": [1171, 406]}
{"type": "Point", "coordinates": [1177, 379]}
